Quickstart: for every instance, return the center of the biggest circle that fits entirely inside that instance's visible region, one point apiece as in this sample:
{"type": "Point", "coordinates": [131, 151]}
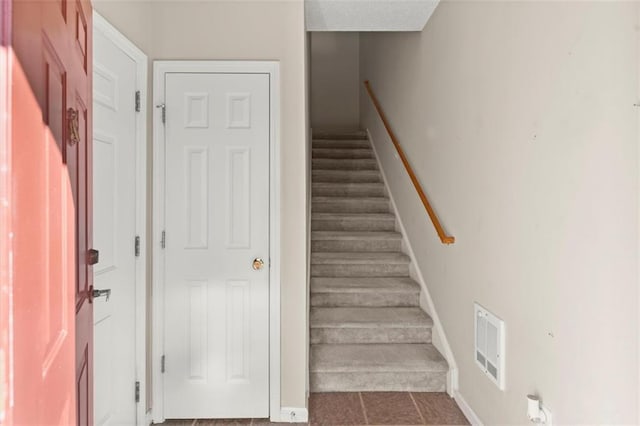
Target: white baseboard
{"type": "Point", "coordinates": [452, 381]}
{"type": "Point", "coordinates": [467, 410]}
{"type": "Point", "coordinates": [294, 415]}
{"type": "Point", "coordinates": [425, 296]}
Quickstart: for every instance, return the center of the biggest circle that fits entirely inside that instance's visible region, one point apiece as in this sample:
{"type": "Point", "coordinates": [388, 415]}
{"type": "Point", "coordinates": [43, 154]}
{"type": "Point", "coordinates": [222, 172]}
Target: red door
{"type": "Point", "coordinates": [45, 211]}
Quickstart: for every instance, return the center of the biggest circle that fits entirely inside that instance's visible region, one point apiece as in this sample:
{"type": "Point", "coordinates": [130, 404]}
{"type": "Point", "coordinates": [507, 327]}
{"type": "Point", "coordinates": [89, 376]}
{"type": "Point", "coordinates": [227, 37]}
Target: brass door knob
{"type": "Point", "coordinates": [257, 264]}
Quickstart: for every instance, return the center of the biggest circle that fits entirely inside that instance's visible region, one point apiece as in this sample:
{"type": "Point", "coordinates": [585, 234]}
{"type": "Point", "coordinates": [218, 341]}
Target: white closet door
{"type": "Point", "coordinates": [217, 223]}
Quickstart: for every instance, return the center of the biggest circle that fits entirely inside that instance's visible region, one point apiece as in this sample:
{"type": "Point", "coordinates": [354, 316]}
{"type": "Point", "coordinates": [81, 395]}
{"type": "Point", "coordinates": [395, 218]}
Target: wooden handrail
{"type": "Point", "coordinates": [446, 239]}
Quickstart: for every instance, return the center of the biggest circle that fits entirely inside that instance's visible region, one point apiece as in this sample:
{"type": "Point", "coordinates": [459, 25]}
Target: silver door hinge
{"type": "Point", "coordinates": [163, 240]}
{"type": "Point", "coordinates": [164, 112]}
{"type": "Point", "coordinates": [137, 246]}
{"type": "Point", "coordinates": [137, 101]}
{"type": "Point", "coordinates": [137, 391]}
{"type": "Point", "coordinates": [162, 364]}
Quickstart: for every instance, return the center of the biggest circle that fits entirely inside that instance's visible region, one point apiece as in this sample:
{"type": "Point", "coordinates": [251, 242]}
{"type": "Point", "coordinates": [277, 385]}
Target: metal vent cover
{"type": "Point", "coordinates": [489, 344]}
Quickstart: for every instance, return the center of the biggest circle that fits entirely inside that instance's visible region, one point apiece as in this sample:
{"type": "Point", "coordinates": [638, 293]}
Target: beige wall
{"type": "Point", "coordinates": [248, 30]}
{"type": "Point", "coordinates": [518, 119]}
{"type": "Point", "coordinates": [334, 80]}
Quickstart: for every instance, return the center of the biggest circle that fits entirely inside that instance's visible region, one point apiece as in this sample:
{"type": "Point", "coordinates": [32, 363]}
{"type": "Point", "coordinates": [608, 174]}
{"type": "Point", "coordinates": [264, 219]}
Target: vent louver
{"type": "Point", "coordinates": [489, 345]}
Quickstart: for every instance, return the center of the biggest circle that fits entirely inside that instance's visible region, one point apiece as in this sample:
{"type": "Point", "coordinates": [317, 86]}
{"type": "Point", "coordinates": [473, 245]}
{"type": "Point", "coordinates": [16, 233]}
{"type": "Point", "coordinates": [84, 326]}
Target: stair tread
{"type": "Point", "coordinates": [374, 185]}
{"type": "Point", "coordinates": [348, 171]}
{"type": "Point", "coordinates": [344, 135]}
{"type": "Point", "coordinates": [355, 235]}
{"type": "Point", "coordinates": [352, 189]}
{"type": "Point", "coordinates": [364, 285]}
{"type": "Point", "coordinates": [363, 258]}
{"type": "Point", "coordinates": [358, 200]}
{"type": "Point", "coordinates": [346, 160]}
{"type": "Point", "coordinates": [369, 317]}
{"type": "Point", "coordinates": [384, 357]}
{"type": "Point", "coordinates": [346, 175]}
{"type": "Point", "coordinates": [352, 216]}
{"type": "Point", "coordinates": [360, 150]}
{"type": "Point", "coordinates": [340, 144]}
{"type": "Point", "coordinates": [345, 140]}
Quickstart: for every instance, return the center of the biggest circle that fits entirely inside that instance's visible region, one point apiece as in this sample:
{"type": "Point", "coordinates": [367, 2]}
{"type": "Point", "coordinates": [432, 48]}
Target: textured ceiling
{"type": "Point", "coordinates": [368, 15]}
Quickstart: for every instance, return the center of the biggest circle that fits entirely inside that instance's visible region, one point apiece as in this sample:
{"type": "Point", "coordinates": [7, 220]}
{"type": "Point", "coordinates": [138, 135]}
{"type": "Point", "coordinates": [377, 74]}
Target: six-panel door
{"type": "Point", "coordinates": [216, 315]}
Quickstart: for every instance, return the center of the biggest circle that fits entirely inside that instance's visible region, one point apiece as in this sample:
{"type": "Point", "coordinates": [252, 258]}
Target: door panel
{"type": "Point", "coordinates": [217, 222]}
{"type": "Point", "coordinates": [51, 368]}
{"type": "Point", "coordinates": [114, 178]}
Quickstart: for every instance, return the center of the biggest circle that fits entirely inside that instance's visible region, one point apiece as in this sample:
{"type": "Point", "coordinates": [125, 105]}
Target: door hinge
{"type": "Point", "coordinates": [163, 240]}
{"type": "Point", "coordinates": [137, 101]}
{"type": "Point", "coordinates": [163, 107]}
{"type": "Point", "coordinates": [162, 364]}
{"type": "Point", "coordinates": [137, 391]}
{"type": "Point", "coordinates": [137, 246]}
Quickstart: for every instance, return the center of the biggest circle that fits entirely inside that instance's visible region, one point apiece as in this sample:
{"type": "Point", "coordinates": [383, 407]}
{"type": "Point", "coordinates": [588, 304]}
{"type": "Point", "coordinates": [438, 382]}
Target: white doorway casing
{"type": "Point", "coordinates": [160, 266]}
{"type": "Point", "coordinates": [119, 217]}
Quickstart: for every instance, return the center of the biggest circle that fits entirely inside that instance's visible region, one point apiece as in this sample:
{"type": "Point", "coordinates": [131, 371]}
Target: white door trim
{"type": "Point", "coordinates": [160, 69]}
{"type": "Point", "coordinates": [140, 59]}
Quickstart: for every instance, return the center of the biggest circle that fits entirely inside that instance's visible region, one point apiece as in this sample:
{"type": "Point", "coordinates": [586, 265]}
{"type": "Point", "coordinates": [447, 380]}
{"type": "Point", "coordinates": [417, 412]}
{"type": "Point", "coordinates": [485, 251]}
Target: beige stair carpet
{"type": "Point", "coordinates": [368, 332]}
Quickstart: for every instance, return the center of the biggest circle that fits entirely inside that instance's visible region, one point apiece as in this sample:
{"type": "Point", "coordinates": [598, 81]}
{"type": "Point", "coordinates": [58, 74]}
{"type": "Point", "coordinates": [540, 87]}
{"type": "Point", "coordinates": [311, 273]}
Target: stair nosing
{"type": "Point", "coordinates": [370, 285]}
{"type": "Point", "coordinates": [348, 184]}
{"type": "Point", "coordinates": [352, 216]}
{"type": "Point", "coordinates": [433, 366]}
{"type": "Point", "coordinates": [323, 198]}
{"type": "Point", "coordinates": [396, 317]}
{"type": "Point", "coordinates": [355, 235]}
{"type": "Point", "coordinates": [345, 257]}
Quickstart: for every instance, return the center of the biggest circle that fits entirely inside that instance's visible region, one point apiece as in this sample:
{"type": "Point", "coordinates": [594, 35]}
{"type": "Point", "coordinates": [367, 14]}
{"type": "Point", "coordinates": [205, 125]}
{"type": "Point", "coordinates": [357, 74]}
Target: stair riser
{"type": "Point", "coordinates": [351, 206]}
{"type": "Point", "coordinates": [346, 176]}
{"type": "Point", "coordinates": [356, 245]}
{"type": "Point", "coordinates": [353, 225]}
{"type": "Point", "coordinates": [370, 335]}
{"type": "Point", "coordinates": [338, 144]}
{"type": "Point", "coordinates": [349, 191]}
{"type": "Point", "coordinates": [336, 299]}
{"type": "Point", "coordinates": [321, 153]}
{"type": "Point", "coordinates": [372, 382]}
{"type": "Point", "coordinates": [372, 270]}
{"type": "Point", "coordinates": [341, 136]}
{"type": "Point", "coordinates": [334, 164]}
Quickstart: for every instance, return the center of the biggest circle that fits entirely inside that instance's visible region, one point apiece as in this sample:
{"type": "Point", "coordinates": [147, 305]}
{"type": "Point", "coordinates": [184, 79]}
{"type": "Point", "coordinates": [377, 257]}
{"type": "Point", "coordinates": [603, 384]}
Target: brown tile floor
{"type": "Point", "coordinates": [364, 408]}
{"type": "Point", "coordinates": [384, 408]}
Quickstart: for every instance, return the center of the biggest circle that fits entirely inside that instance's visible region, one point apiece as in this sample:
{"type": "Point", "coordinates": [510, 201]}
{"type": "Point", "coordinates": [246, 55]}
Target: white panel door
{"type": "Point", "coordinates": [217, 222]}
{"type": "Point", "coordinates": [114, 214]}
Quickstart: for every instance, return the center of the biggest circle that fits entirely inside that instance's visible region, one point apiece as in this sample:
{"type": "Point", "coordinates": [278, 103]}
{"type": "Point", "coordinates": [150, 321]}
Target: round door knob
{"type": "Point", "coordinates": [258, 263]}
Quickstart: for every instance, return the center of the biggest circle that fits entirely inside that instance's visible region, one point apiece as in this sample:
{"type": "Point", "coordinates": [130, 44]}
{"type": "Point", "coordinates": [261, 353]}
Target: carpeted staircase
{"type": "Point", "coordinates": [368, 332]}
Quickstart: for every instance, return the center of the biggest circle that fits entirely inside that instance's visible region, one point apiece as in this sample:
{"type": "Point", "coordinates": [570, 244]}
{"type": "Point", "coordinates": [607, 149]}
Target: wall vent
{"type": "Point", "coordinates": [489, 347]}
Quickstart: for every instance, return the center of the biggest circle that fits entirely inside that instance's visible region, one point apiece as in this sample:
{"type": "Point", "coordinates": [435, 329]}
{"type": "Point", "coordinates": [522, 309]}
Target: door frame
{"type": "Point", "coordinates": [140, 59]}
{"type": "Point", "coordinates": [160, 70]}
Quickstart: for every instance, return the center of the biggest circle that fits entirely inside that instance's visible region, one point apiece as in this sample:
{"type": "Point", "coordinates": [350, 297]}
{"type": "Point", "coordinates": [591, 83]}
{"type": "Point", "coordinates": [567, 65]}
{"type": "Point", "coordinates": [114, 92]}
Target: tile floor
{"type": "Point", "coordinates": [364, 408]}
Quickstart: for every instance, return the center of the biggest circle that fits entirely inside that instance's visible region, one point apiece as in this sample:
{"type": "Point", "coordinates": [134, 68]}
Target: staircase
{"type": "Point", "coordinates": [368, 332]}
